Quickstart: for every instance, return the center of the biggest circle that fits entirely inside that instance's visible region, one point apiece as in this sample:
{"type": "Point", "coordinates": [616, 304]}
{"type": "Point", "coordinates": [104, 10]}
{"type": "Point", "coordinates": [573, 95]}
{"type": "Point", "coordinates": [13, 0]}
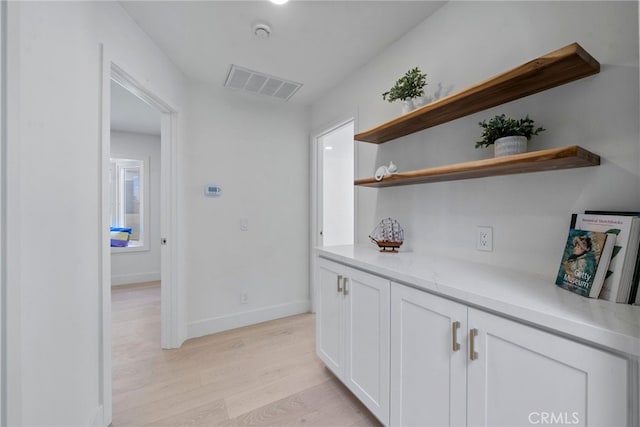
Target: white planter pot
{"type": "Point", "coordinates": [407, 105]}
{"type": "Point", "coordinates": [419, 101]}
{"type": "Point", "coordinates": [510, 145]}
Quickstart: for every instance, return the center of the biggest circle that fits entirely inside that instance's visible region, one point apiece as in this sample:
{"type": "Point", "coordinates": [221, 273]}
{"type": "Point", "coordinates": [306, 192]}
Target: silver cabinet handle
{"type": "Point", "coordinates": [338, 283]}
{"type": "Point", "coordinates": [473, 355]}
{"type": "Point", "coordinates": [454, 335]}
{"type": "Point", "coordinates": [344, 285]}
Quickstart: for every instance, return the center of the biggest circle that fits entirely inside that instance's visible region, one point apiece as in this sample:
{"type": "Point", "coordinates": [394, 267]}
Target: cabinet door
{"type": "Point", "coordinates": [524, 376]}
{"type": "Point", "coordinates": [428, 376]}
{"type": "Point", "coordinates": [329, 317]}
{"type": "Point", "coordinates": [367, 341]}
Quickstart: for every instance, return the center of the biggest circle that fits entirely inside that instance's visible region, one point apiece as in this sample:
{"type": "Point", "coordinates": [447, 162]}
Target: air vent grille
{"type": "Point", "coordinates": [240, 78]}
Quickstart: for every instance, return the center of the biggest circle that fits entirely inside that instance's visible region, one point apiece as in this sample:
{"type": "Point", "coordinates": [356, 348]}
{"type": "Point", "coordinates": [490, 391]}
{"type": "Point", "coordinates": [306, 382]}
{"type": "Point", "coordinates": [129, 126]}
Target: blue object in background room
{"type": "Point", "coordinates": [120, 237]}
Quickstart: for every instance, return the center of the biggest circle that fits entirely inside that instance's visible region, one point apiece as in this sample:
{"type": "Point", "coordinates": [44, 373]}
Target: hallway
{"type": "Point", "coordinates": [260, 375]}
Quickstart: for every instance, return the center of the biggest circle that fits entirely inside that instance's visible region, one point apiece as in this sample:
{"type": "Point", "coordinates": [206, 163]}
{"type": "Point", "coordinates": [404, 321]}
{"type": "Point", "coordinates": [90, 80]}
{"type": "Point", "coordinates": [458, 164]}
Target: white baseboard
{"type": "Point", "coordinates": [238, 320]}
{"type": "Point", "coordinates": [127, 279]}
{"type": "Point", "coordinates": [97, 419]}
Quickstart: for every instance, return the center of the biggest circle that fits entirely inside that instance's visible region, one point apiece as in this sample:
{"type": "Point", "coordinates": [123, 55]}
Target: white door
{"type": "Point", "coordinates": [367, 340]}
{"type": "Point", "coordinates": [523, 376]}
{"type": "Point", "coordinates": [335, 186]}
{"type": "Point", "coordinates": [329, 319]}
{"type": "Point", "coordinates": [428, 359]}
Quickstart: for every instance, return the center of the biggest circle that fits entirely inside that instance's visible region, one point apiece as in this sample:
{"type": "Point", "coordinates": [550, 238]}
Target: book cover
{"type": "Point", "coordinates": [619, 277]}
{"type": "Point", "coordinates": [584, 262]}
{"type": "Point", "coordinates": [634, 295]}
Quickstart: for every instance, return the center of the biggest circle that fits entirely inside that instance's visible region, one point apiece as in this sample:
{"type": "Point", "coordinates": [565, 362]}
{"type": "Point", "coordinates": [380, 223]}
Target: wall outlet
{"type": "Point", "coordinates": [484, 241]}
{"type": "Point", "coordinates": [244, 297]}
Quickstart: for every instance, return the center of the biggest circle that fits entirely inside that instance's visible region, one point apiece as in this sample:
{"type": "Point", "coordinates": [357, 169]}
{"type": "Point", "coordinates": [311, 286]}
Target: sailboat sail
{"type": "Point", "coordinates": [388, 235]}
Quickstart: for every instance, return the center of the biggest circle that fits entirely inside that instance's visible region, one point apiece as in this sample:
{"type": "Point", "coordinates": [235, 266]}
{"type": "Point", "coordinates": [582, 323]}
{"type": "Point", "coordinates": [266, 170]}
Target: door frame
{"type": "Point", "coordinates": [316, 190]}
{"type": "Point", "coordinates": [170, 319]}
{"type": "Point", "coordinates": [3, 216]}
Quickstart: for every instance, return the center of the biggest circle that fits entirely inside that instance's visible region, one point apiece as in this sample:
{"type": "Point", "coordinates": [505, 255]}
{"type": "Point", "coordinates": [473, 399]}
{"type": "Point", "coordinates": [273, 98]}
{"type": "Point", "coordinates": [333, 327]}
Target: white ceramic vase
{"type": "Point", "coordinates": [419, 101]}
{"type": "Point", "coordinates": [510, 145]}
{"type": "Point", "coordinates": [407, 105]}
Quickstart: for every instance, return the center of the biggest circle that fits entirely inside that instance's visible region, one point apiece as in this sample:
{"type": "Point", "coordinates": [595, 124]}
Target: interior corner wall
{"type": "Point", "coordinates": [54, 236]}
{"type": "Point", "coordinates": [462, 44]}
{"type": "Point", "coordinates": [140, 266]}
{"type": "Point", "coordinates": [257, 150]}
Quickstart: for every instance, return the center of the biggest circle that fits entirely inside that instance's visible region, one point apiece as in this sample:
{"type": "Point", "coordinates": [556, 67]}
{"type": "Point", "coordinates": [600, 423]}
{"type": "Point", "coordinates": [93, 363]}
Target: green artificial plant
{"type": "Point", "coordinates": [501, 126]}
{"type": "Point", "coordinates": [411, 85]}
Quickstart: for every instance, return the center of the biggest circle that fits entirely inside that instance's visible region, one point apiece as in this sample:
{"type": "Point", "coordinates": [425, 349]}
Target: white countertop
{"type": "Point", "coordinates": [520, 296]}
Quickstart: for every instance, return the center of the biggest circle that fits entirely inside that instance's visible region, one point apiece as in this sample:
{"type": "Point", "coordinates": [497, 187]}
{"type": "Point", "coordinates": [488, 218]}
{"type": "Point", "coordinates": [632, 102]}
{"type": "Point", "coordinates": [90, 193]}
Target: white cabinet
{"type": "Point", "coordinates": [506, 374]}
{"type": "Point", "coordinates": [330, 317]}
{"type": "Point", "coordinates": [428, 375]}
{"type": "Point", "coordinates": [352, 332]}
{"type": "Point", "coordinates": [524, 376]}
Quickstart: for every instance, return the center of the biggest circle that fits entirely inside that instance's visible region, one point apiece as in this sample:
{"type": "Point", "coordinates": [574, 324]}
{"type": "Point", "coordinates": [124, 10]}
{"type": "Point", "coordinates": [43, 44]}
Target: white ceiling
{"type": "Point", "coordinates": [316, 43]}
{"type": "Point", "coordinates": [131, 114]}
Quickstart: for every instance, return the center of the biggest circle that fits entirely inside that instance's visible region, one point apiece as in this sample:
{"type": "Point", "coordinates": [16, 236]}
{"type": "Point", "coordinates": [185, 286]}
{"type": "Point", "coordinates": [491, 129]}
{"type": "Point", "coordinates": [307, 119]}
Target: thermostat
{"type": "Point", "coordinates": [212, 190]}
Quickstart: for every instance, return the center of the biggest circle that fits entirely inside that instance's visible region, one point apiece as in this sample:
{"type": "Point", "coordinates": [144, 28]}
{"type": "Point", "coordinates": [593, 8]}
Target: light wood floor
{"type": "Point", "coordinates": [261, 375]}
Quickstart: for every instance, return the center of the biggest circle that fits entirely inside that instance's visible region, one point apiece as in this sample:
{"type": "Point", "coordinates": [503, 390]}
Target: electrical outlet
{"type": "Point", "coordinates": [484, 241]}
{"type": "Point", "coordinates": [244, 297]}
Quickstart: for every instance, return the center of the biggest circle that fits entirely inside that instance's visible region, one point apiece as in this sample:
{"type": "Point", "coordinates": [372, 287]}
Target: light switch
{"type": "Point", "coordinates": [244, 224]}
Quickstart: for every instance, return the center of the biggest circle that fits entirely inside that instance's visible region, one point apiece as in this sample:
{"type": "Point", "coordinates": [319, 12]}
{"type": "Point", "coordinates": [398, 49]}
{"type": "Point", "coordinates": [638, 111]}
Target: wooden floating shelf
{"type": "Point", "coordinates": [537, 161]}
{"type": "Point", "coordinates": [554, 69]}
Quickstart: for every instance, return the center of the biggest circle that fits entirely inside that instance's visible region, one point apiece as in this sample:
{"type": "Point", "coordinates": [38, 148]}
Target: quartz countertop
{"type": "Point", "coordinates": [516, 295]}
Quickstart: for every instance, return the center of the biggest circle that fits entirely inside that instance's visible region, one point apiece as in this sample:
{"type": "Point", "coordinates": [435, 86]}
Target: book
{"type": "Point", "coordinates": [634, 294]}
{"type": "Point", "coordinates": [585, 261]}
{"type": "Point", "coordinates": [619, 278]}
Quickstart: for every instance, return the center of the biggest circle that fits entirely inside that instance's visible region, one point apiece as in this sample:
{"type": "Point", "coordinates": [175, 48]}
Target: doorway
{"type": "Point", "coordinates": [134, 180]}
{"type": "Point", "coordinates": [336, 192]}
{"type": "Point", "coordinates": [332, 191]}
{"type": "Point", "coordinates": [169, 323]}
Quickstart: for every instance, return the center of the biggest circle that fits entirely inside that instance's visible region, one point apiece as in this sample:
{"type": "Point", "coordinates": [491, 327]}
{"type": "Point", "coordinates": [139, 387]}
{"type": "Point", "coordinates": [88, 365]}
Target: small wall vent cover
{"type": "Point", "coordinates": [240, 78]}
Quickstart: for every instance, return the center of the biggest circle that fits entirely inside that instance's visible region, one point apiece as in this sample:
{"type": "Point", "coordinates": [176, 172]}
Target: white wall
{"type": "Point", "coordinates": [257, 151]}
{"type": "Point", "coordinates": [460, 45]}
{"type": "Point", "coordinates": [140, 266]}
{"type": "Point", "coordinates": [54, 230]}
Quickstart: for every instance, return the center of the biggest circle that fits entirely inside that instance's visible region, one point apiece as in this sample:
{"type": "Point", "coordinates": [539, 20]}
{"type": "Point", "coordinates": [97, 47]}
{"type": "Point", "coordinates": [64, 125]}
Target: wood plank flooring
{"type": "Point", "coordinates": [261, 375]}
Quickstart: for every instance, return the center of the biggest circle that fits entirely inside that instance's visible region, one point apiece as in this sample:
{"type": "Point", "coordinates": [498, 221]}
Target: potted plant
{"type": "Point", "coordinates": [407, 87]}
{"type": "Point", "coordinates": [509, 135]}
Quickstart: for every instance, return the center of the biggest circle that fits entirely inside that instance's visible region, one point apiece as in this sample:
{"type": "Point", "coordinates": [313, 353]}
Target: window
{"type": "Point", "coordinates": [129, 200]}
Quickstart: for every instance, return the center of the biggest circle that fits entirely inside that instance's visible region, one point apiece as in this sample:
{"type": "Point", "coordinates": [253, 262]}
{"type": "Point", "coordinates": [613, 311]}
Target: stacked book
{"type": "Point", "coordinates": [602, 256]}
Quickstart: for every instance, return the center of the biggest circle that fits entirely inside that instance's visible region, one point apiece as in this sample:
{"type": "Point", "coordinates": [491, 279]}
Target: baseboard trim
{"type": "Point", "coordinates": [238, 320]}
{"type": "Point", "coordinates": [127, 279]}
{"type": "Point", "coordinates": [97, 419]}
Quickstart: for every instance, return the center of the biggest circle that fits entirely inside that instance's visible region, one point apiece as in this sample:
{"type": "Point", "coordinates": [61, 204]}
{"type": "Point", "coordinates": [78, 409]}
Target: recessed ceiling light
{"type": "Point", "coordinates": [279, 1]}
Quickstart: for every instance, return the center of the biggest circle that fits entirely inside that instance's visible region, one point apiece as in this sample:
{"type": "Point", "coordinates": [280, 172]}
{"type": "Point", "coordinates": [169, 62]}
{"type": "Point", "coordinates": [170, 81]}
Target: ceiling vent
{"type": "Point", "coordinates": [240, 78]}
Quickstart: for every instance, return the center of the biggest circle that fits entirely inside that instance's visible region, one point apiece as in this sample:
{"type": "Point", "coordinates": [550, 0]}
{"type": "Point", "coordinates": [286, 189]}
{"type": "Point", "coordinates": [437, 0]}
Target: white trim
{"type": "Point", "coordinates": [170, 316]}
{"type": "Point", "coordinates": [127, 279]}
{"type": "Point", "coordinates": [3, 216]}
{"type": "Point", "coordinates": [96, 419]}
{"type": "Point", "coordinates": [131, 248]}
{"type": "Point", "coordinates": [104, 264]}
{"type": "Point", "coordinates": [224, 323]}
{"type": "Point", "coordinates": [13, 305]}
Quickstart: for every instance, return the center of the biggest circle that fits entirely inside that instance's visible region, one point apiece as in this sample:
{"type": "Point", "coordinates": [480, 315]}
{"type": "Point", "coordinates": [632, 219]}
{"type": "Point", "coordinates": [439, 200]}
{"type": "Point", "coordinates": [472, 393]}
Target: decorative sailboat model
{"type": "Point", "coordinates": [388, 235]}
